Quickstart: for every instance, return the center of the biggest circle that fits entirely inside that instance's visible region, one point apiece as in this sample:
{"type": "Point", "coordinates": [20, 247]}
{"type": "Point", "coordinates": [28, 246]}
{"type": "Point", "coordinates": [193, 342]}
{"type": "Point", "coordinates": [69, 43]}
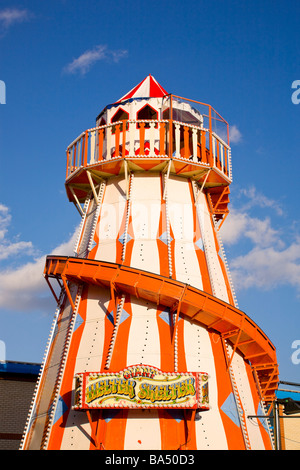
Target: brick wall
{"type": "Point", "coordinates": [16, 393]}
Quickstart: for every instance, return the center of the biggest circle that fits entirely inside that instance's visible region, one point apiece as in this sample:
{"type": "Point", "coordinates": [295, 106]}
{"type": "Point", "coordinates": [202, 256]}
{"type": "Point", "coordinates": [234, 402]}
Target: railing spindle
{"type": "Point", "coordinates": [108, 141]}
{"type": "Point", "coordinates": [117, 140]}
{"type": "Point", "coordinates": [203, 146]}
{"type": "Point", "coordinates": [124, 139]}
{"type": "Point", "coordinates": [177, 139]}
{"type": "Point", "coordinates": [92, 146]}
{"type": "Point", "coordinates": [218, 153]}
{"type": "Point", "coordinates": [79, 152]}
{"type": "Point", "coordinates": [142, 138]}
{"type": "Point", "coordinates": [152, 131]}
{"type": "Point", "coordinates": [131, 137]}
{"type": "Point", "coordinates": [74, 156]}
{"type": "Point", "coordinates": [100, 144]}
{"type": "Point", "coordinates": [68, 163]}
{"type": "Point", "coordinates": [186, 141]}
{"type": "Point", "coordinates": [222, 156]}
{"type": "Point", "coordinates": [82, 150]}
{"type": "Point", "coordinates": [86, 142]}
{"type": "Point", "coordinates": [194, 144]}
{"type": "Point", "coordinates": [214, 150]}
{"type": "Point", "coordinates": [162, 138]}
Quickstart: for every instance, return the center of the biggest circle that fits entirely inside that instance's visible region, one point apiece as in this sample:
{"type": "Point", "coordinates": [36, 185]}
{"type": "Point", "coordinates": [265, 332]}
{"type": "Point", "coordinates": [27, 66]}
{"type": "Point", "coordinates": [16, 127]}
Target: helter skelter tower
{"type": "Point", "coordinates": [148, 348]}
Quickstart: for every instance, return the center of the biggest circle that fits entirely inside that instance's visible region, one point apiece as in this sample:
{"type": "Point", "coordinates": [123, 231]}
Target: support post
{"type": "Point", "coordinates": [68, 291]}
{"type": "Point", "coordinates": [77, 203]}
{"type": "Point", "coordinates": [92, 186]}
{"type": "Point", "coordinates": [167, 177]}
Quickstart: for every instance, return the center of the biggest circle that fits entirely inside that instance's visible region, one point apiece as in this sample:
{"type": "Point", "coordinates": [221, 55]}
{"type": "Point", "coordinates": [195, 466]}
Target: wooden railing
{"type": "Point", "coordinates": [151, 138]}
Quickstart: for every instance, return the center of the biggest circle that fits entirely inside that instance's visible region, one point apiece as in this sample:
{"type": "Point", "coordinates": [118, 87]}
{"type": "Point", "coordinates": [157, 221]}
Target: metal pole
{"type": "Point", "coordinates": [171, 128]}
{"type": "Point", "coordinates": [289, 383]}
{"type": "Point", "coordinates": [277, 426]}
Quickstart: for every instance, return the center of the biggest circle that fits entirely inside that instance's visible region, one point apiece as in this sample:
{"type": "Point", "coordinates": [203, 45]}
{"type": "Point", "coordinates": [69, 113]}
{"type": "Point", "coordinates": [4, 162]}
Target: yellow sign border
{"type": "Point", "coordinates": [141, 386]}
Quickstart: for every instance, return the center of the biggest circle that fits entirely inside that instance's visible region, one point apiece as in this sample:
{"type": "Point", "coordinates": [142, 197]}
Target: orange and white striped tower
{"type": "Point", "coordinates": [149, 349]}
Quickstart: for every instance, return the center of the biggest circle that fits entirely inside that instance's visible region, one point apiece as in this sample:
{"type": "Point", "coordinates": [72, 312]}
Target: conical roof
{"type": "Point", "coordinates": [147, 88]}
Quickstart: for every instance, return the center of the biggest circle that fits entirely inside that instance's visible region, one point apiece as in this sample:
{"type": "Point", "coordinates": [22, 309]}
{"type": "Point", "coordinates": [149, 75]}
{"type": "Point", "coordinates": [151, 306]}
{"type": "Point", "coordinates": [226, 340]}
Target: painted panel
{"type": "Point", "coordinates": [110, 219]}
{"type": "Point", "coordinates": [142, 430]}
{"type": "Point", "coordinates": [207, 231]}
{"type": "Point", "coordinates": [77, 432]}
{"type": "Point", "coordinates": [143, 427]}
{"type": "Point", "coordinates": [244, 389]}
{"type": "Point", "coordinates": [181, 218]}
{"type": "Point", "coordinates": [210, 433]}
{"type": "Point", "coordinates": [143, 341]}
{"type": "Point", "coordinates": [88, 225]}
{"type": "Point", "coordinates": [90, 351]}
{"type": "Point", "coordinates": [89, 357]}
{"type": "Point", "coordinates": [145, 212]}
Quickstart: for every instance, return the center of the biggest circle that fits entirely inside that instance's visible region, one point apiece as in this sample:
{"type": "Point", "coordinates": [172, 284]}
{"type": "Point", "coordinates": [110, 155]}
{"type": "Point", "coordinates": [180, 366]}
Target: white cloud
{"type": "Point", "coordinates": [11, 16]}
{"type": "Point", "coordinates": [234, 227]}
{"type": "Point", "coordinates": [255, 198]}
{"type": "Point", "coordinates": [259, 231]}
{"type": "Point", "coordinates": [268, 268]}
{"type": "Point", "coordinates": [268, 259]}
{"type": "Point", "coordinates": [24, 288]}
{"type": "Point", "coordinates": [235, 135]}
{"type": "Point", "coordinates": [8, 247]}
{"type": "Point", "coordinates": [4, 220]}
{"type": "Point", "coordinates": [11, 249]}
{"type": "Point", "coordinates": [85, 61]}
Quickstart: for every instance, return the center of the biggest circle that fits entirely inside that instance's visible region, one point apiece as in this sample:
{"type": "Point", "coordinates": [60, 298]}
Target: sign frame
{"type": "Point", "coordinates": [141, 387]}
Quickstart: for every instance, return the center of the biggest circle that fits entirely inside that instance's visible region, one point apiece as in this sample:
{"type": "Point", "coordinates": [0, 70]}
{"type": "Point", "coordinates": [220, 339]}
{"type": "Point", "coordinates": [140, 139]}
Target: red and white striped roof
{"type": "Point", "coordinates": [147, 88]}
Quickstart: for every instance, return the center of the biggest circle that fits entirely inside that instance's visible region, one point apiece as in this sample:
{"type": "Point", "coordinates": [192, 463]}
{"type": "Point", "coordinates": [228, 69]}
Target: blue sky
{"type": "Point", "coordinates": [63, 61]}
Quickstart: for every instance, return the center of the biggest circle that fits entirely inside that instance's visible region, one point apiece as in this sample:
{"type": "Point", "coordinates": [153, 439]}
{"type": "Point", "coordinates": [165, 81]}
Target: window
{"type": "Point", "coordinates": [147, 113]}
{"type": "Point", "coordinates": [120, 115]}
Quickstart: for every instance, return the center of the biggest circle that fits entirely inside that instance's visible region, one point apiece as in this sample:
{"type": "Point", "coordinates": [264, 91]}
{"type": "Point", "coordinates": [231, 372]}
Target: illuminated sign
{"type": "Point", "coordinates": [141, 386]}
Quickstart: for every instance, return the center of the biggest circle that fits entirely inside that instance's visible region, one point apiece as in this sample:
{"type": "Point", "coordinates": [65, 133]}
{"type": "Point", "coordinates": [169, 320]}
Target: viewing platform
{"type": "Point", "coordinates": [189, 139]}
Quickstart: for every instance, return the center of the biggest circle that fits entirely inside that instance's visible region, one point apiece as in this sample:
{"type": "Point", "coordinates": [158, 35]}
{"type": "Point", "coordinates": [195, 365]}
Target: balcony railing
{"type": "Point", "coordinates": [171, 137]}
{"type": "Point", "coordinates": [136, 138]}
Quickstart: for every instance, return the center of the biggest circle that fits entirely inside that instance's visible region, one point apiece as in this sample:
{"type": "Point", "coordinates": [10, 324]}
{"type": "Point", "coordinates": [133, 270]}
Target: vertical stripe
{"type": "Point", "coordinates": [210, 432]}
{"type": "Point", "coordinates": [120, 348]}
{"type": "Point", "coordinates": [242, 382]}
{"type": "Point", "coordinates": [219, 251]}
{"type": "Point", "coordinates": [88, 357]}
{"type": "Point", "coordinates": [143, 341]}
{"type": "Point", "coordinates": [260, 422]}
{"type": "Point", "coordinates": [208, 236]}
{"type": "Point", "coordinates": [111, 220]}
{"type": "Point", "coordinates": [199, 246]}
{"type": "Point", "coordinates": [143, 428]}
{"type": "Point", "coordinates": [225, 398]}
{"type": "Point", "coordinates": [145, 206]}
{"type": "Point", "coordinates": [161, 240]}
{"type": "Point", "coordinates": [181, 218]}
{"type": "Point", "coordinates": [112, 429]}
{"type": "Point", "coordinates": [66, 385]}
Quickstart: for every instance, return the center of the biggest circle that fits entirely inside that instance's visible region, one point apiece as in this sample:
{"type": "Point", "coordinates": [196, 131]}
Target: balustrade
{"type": "Point", "coordinates": [151, 138]}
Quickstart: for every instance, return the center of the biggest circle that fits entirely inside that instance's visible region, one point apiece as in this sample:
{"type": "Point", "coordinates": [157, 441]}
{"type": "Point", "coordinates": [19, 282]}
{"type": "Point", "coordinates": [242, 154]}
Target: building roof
{"type": "Point", "coordinates": [12, 367]}
{"type": "Point", "coordinates": [147, 88]}
{"type": "Point", "coordinates": [289, 397]}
